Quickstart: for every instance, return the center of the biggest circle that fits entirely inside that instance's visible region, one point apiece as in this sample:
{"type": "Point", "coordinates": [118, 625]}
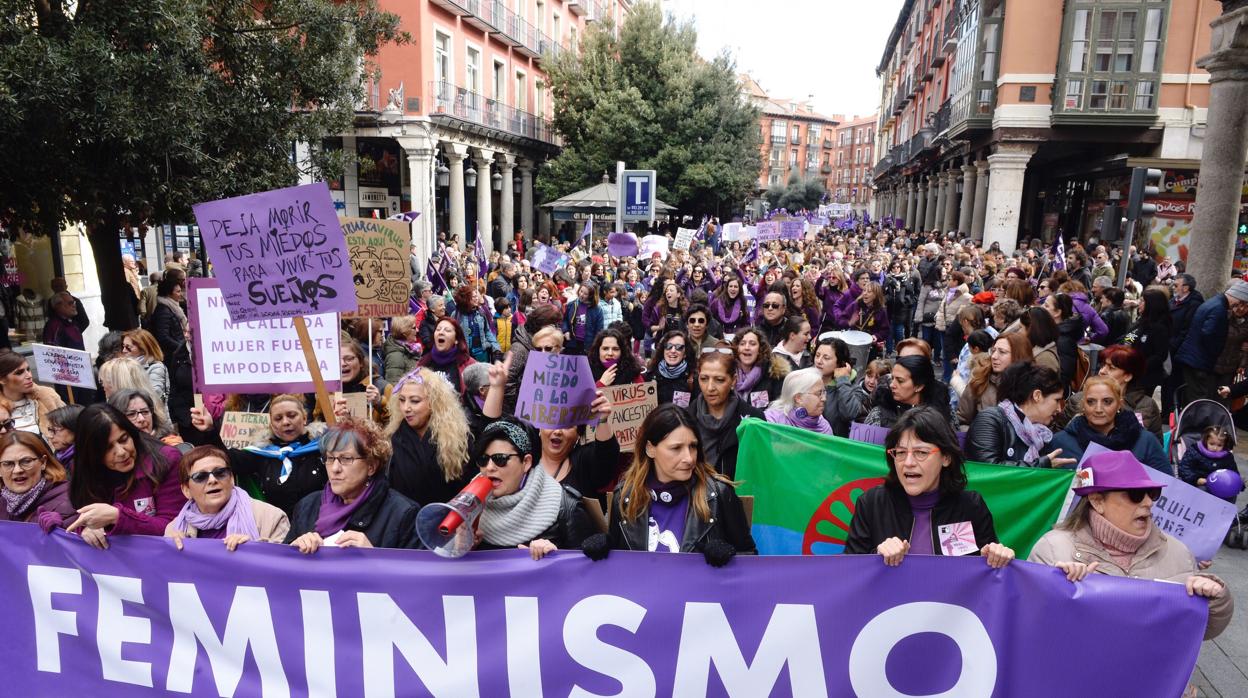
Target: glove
{"type": "Point", "coordinates": [596, 547]}
{"type": "Point", "coordinates": [49, 520]}
{"type": "Point", "coordinates": [718, 553]}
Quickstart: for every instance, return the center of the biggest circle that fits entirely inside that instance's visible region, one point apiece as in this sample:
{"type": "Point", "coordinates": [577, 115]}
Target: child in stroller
{"type": "Point", "coordinates": [1210, 454]}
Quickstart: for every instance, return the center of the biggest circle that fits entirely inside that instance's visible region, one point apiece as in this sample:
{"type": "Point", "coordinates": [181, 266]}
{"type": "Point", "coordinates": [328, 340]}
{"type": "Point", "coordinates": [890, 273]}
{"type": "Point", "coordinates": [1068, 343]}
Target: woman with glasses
{"type": "Point", "coordinates": [698, 328]}
{"type": "Point", "coordinates": [34, 480]}
{"type": "Point", "coordinates": [62, 430]}
{"type": "Point", "coordinates": [760, 373]}
{"type": "Point", "coordinates": [801, 402]}
{"type": "Point", "coordinates": [981, 390]}
{"type": "Point", "coordinates": [357, 507]}
{"type": "Point", "coordinates": [140, 409]}
{"type": "Point", "coordinates": [526, 507]}
{"type": "Point", "coordinates": [142, 346]}
{"type": "Point", "coordinates": [670, 369]}
{"type": "Point", "coordinates": [429, 437]}
{"type": "Point", "coordinates": [718, 409]}
{"type": "Point", "coordinates": [125, 482]}
{"type": "Point", "coordinates": [1111, 531]}
{"type": "Point", "coordinates": [923, 507]}
{"type": "Point", "coordinates": [30, 402]}
{"type": "Point", "coordinates": [217, 508]}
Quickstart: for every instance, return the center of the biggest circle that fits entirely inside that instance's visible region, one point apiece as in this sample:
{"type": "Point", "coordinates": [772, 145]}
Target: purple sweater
{"type": "Point", "coordinates": [147, 510]}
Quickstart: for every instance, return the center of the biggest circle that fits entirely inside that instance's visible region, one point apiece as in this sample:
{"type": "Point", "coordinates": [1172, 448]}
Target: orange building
{"type": "Point", "coordinates": [852, 161]}
{"type": "Point", "coordinates": [796, 140]}
{"type": "Point", "coordinates": [1002, 119]}
{"type": "Point", "coordinates": [456, 122]}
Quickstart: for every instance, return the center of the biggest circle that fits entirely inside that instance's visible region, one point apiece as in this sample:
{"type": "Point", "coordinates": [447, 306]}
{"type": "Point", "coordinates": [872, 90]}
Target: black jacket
{"type": "Point", "coordinates": [307, 474]}
{"type": "Point", "coordinates": [1069, 332]}
{"type": "Point", "coordinates": [167, 329]}
{"type": "Point", "coordinates": [1144, 270]}
{"type": "Point", "coordinates": [568, 531]}
{"type": "Point", "coordinates": [386, 518]}
{"type": "Point", "coordinates": [727, 523]}
{"type": "Point", "coordinates": [992, 439]}
{"type": "Point", "coordinates": [883, 512]}
{"type": "Point", "coordinates": [1181, 313]}
{"type": "Point", "coordinates": [1117, 321]}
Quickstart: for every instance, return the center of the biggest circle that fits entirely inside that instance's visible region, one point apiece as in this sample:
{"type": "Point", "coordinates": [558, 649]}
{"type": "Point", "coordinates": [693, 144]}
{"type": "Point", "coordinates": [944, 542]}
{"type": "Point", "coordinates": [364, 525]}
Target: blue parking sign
{"type": "Point", "coordinates": [638, 195]}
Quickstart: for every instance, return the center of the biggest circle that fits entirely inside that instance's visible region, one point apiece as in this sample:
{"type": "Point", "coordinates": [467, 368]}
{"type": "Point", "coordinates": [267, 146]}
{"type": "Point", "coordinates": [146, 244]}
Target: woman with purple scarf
{"type": "Point", "coordinates": [801, 402]}
{"type": "Point", "coordinates": [357, 508]}
{"type": "Point", "coordinates": [34, 481]}
{"type": "Point", "coordinates": [216, 509]}
{"type": "Point", "coordinates": [1016, 430]}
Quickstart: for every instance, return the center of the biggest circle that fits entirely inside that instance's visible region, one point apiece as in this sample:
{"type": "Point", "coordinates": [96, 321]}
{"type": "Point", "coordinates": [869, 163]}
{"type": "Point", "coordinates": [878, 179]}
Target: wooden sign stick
{"type": "Point", "coordinates": [322, 395]}
{"type": "Point", "coordinates": [69, 390]}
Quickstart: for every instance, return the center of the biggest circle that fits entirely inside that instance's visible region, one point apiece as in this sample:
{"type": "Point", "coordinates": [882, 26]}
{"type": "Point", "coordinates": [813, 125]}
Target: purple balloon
{"type": "Point", "coordinates": [1224, 483]}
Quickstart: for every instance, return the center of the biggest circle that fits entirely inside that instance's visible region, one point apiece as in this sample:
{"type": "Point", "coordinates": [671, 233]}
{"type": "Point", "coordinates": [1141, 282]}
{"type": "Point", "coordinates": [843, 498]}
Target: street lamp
{"type": "Point", "coordinates": [515, 186]}
{"type": "Point", "coordinates": [496, 181]}
{"type": "Point", "coordinates": [470, 176]}
{"type": "Point", "coordinates": [444, 175]}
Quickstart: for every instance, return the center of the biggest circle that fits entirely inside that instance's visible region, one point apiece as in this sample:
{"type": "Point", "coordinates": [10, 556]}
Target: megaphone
{"type": "Point", "coordinates": [446, 529]}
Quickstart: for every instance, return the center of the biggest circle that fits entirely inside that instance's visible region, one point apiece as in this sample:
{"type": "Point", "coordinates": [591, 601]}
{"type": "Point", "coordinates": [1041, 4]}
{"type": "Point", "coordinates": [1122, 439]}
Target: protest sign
{"type": "Point", "coordinates": [731, 232]}
{"type": "Point", "coordinates": [357, 405]}
{"type": "Point", "coordinates": [622, 245]}
{"type": "Point", "coordinates": [792, 230]}
{"type": "Point", "coordinates": [241, 429]}
{"type": "Point", "coordinates": [800, 510]}
{"type": "Point", "coordinates": [684, 236]}
{"type": "Point", "coordinates": [547, 259]}
{"type": "Point", "coordinates": [1192, 515]}
{"type": "Point", "coordinates": [749, 232]}
{"type": "Point", "coordinates": [630, 404]}
{"type": "Point", "coordinates": [63, 366]}
{"type": "Point", "coordinates": [143, 618]}
{"type": "Point", "coordinates": [278, 254]}
{"type": "Point", "coordinates": [556, 391]}
{"type": "Point", "coordinates": [261, 356]}
{"type": "Point", "coordinates": [379, 266]}
{"type": "Point", "coordinates": [768, 231]}
{"type": "Point", "coordinates": [867, 433]}
{"type": "Point", "coordinates": [654, 243]}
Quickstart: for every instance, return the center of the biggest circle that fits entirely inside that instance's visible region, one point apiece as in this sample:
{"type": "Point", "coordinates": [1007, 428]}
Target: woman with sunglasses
{"type": "Point", "coordinates": [670, 369]}
{"type": "Point", "coordinates": [1111, 531]}
{"type": "Point", "coordinates": [34, 480]}
{"type": "Point", "coordinates": [698, 329]}
{"type": "Point", "coordinates": [357, 508]}
{"type": "Point", "coordinates": [526, 507]}
{"type": "Point", "coordinates": [31, 402]}
{"type": "Point", "coordinates": [923, 507]}
{"type": "Point", "coordinates": [216, 508]}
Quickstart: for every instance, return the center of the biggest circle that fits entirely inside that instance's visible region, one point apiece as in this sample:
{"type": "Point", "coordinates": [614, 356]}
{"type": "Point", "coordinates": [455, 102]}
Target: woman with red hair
{"type": "Point", "coordinates": [1128, 366]}
{"type": "Point", "coordinates": [448, 354]}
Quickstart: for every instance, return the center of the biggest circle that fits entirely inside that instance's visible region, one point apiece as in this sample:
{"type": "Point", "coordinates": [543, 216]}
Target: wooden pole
{"type": "Point", "coordinates": [69, 390]}
{"type": "Point", "coordinates": [309, 356]}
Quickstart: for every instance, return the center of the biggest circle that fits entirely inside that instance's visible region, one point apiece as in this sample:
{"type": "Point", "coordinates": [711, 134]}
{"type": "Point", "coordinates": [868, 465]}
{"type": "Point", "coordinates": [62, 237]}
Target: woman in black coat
{"type": "Point", "coordinates": [671, 368]}
{"type": "Point", "coordinates": [1151, 335]}
{"type": "Point", "coordinates": [718, 410]}
{"type": "Point", "coordinates": [1015, 431]}
{"type": "Point", "coordinates": [924, 499]}
{"type": "Point", "coordinates": [1070, 327]}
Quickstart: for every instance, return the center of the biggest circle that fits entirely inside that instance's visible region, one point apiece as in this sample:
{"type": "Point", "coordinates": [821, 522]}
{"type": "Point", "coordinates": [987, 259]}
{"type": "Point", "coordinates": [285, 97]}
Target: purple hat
{"type": "Point", "coordinates": [1112, 470]}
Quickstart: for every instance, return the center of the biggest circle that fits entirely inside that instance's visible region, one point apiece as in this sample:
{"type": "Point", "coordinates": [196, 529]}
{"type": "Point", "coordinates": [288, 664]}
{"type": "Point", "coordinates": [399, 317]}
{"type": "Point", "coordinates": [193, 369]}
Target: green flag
{"type": "Point", "coordinates": [805, 484]}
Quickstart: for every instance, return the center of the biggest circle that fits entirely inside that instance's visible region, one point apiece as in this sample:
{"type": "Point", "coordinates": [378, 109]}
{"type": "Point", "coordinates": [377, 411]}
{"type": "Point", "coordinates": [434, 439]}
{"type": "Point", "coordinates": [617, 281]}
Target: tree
{"type": "Point", "coordinates": [798, 194]}
{"type": "Point", "coordinates": [124, 113]}
{"type": "Point", "coordinates": [648, 99]}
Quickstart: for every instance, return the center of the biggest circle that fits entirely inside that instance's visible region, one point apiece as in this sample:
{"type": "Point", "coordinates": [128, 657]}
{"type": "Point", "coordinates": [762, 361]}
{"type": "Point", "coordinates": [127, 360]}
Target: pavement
{"type": "Point", "coordinates": [1222, 669]}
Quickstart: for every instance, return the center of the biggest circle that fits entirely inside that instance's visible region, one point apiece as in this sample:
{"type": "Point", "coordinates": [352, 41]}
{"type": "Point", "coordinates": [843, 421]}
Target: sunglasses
{"type": "Point", "coordinates": [696, 321]}
{"type": "Point", "coordinates": [7, 425]}
{"type": "Point", "coordinates": [772, 306]}
{"type": "Point", "coordinates": [716, 350]}
{"type": "Point", "coordinates": [219, 474]}
{"type": "Point", "coordinates": [673, 347]}
{"type": "Point", "coordinates": [1137, 495]}
{"type": "Point", "coordinates": [498, 459]}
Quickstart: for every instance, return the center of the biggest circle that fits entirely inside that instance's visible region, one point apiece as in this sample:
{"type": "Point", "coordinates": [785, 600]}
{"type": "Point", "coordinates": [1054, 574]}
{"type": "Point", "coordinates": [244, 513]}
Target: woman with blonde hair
{"type": "Point", "coordinates": [142, 346]}
{"type": "Point", "coordinates": [428, 432]}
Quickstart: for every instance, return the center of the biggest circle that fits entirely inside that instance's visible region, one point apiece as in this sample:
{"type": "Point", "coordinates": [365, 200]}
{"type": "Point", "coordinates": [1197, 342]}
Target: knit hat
{"type": "Point", "coordinates": [1112, 470]}
{"type": "Point", "coordinates": [1238, 290]}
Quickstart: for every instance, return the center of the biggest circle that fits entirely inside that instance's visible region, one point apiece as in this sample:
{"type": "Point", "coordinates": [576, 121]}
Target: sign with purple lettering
{"type": "Point", "coordinates": [278, 253]}
{"type": "Point", "coordinates": [556, 391]}
{"type": "Point", "coordinates": [1192, 515]}
{"type": "Point", "coordinates": [792, 230]}
{"type": "Point", "coordinates": [768, 230]}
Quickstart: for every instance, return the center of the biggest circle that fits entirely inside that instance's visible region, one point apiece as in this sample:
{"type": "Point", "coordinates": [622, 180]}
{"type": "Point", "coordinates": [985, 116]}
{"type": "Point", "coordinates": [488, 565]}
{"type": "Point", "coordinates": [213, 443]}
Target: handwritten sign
{"type": "Point", "coordinates": [242, 429]}
{"type": "Point", "coordinates": [792, 230]}
{"type": "Point", "coordinates": [547, 259]}
{"type": "Point", "coordinates": [630, 404]}
{"type": "Point", "coordinates": [1192, 515]}
{"type": "Point", "coordinates": [379, 269]}
{"type": "Point", "coordinates": [651, 244]}
{"type": "Point", "coordinates": [768, 230]}
{"type": "Point", "coordinates": [278, 253]}
{"type": "Point", "coordinates": [357, 405]}
{"type": "Point", "coordinates": [684, 237]}
{"type": "Point", "coordinates": [556, 391]}
{"type": "Point", "coordinates": [622, 245]}
{"type": "Point", "coordinates": [63, 366]}
{"type": "Point", "coordinates": [260, 356]}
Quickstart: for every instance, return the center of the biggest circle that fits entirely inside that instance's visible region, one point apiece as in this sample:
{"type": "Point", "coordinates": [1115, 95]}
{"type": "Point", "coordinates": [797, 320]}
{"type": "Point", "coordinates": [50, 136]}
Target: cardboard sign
{"type": "Point", "coordinates": [731, 232]}
{"type": "Point", "coordinates": [1192, 515]}
{"type": "Point", "coordinates": [654, 243]}
{"type": "Point", "coordinates": [242, 429]}
{"type": "Point", "coordinates": [684, 237]}
{"type": "Point", "coordinates": [547, 259]}
{"type": "Point", "coordinates": [263, 356]}
{"type": "Point", "coordinates": [768, 231]}
{"type": "Point", "coordinates": [357, 405]}
{"type": "Point", "coordinates": [792, 230]}
{"type": "Point", "coordinates": [63, 366]}
{"type": "Point", "coordinates": [279, 253]}
{"type": "Point", "coordinates": [556, 391]}
{"type": "Point", "coordinates": [379, 267]}
{"type": "Point", "coordinates": [630, 404]}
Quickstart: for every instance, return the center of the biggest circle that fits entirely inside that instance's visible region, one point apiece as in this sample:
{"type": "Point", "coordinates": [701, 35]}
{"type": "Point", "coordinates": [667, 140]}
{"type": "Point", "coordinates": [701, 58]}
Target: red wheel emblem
{"type": "Point", "coordinates": [828, 528]}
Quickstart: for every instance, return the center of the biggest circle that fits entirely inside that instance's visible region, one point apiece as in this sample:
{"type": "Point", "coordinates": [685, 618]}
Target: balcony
{"type": "Point", "coordinates": [796, 138]}
{"type": "Point", "coordinates": [486, 15]}
{"type": "Point", "coordinates": [597, 11]}
{"type": "Point", "coordinates": [548, 48]}
{"type": "Point", "coordinates": [459, 106]}
{"type": "Point", "coordinates": [455, 7]}
{"type": "Point", "coordinates": [827, 142]}
{"type": "Point", "coordinates": [826, 169]}
{"type": "Point", "coordinates": [522, 35]}
{"type": "Point", "coordinates": [777, 139]}
{"type": "Point", "coordinates": [576, 7]}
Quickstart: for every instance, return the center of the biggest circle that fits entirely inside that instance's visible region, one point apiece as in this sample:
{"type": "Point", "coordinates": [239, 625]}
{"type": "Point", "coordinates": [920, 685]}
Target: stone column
{"type": "Point", "coordinates": [455, 154]}
{"type": "Point", "coordinates": [968, 199]}
{"type": "Point", "coordinates": [506, 200]}
{"type": "Point", "coordinates": [933, 196]}
{"type": "Point", "coordinates": [912, 204]}
{"type": "Point", "coordinates": [485, 211]}
{"type": "Point", "coordinates": [526, 198]}
{"type": "Point", "coordinates": [980, 208]}
{"type": "Point", "coordinates": [1226, 143]}
{"type": "Point", "coordinates": [1005, 194]}
{"type": "Point", "coordinates": [920, 213]}
{"type": "Point", "coordinates": [951, 205]}
{"type": "Point", "coordinates": [942, 198]}
{"type": "Point", "coordinates": [420, 152]}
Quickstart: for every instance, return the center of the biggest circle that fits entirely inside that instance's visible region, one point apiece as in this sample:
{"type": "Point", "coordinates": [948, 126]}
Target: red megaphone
{"type": "Point", "coordinates": [441, 526]}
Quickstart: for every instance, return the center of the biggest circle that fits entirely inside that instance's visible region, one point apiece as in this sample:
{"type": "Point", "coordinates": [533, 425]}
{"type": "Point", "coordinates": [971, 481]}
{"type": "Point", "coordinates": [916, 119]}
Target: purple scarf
{"type": "Point", "coordinates": [1032, 434]}
{"type": "Point", "coordinates": [443, 358]}
{"type": "Point", "coordinates": [1213, 455]}
{"type": "Point", "coordinates": [18, 504]}
{"type": "Point", "coordinates": [747, 379]}
{"type": "Point", "coordinates": [669, 505]}
{"type": "Point", "coordinates": [335, 513]}
{"type": "Point", "coordinates": [234, 517]}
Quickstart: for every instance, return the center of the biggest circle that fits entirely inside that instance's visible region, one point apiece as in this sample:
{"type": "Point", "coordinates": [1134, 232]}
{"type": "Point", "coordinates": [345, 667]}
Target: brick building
{"type": "Point", "coordinates": [796, 140]}
{"type": "Point", "coordinates": [852, 161]}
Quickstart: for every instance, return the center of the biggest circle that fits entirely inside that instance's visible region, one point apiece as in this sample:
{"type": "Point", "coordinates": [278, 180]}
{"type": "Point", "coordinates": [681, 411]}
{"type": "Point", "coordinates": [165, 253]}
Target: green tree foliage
{"type": "Point", "coordinates": [648, 99]}
{"type": "Point", "coordinates": [121, 113]}
{"type": "Point", "coordinates": [798, 194]}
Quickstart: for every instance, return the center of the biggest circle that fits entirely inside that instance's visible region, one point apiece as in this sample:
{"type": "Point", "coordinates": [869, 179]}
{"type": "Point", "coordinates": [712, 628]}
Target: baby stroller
{"type": "Point", "coordinates": [1186, 433]}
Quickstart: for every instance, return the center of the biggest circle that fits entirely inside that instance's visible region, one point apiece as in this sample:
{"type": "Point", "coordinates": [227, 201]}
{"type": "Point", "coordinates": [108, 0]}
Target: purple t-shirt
{"type": "Point", "coordinates": [578, 322]}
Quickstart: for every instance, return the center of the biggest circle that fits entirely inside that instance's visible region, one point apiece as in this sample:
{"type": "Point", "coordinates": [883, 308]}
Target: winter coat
{"type": "Point", "coordinates": [970, 405]}
{"type": "Point", "coordinates": [883, 512]}
{"type": "Point", "coordinates": [54, 498]}
{"type": "Point", "coordinates": [399, 359]}
{"type": "Point", "coordinates": [166, 327]}
{"type": "Point", "coordinates": [1116, 323]}
{"type": "Point", "coordinates": [1090, 317]}
{"type": "Point", "coordinates": [415, 471]}
{"type": "Point", "coordinates": [521, 345]}
{"type": "Point", "coordinates": [1154, 342]}
{"type": "Point", "coordinates": [948, 309]}
{"type": "Point", "coordinates": [727, 522]}
{"type": "Point", "coordinates": [158, 375]}
{"type": "Point", "coordinates": [1069, 332]}
{"type": "Point", "coordinates": [45, 400]}
{"type": "Point", "coordinates": [1195, 465]}
{"type": "Point", "coordinates": [992, 439]}
{"type": "Point", "coordinates": [929, 300]}
{"type": "Point", "coordinates": [1181, 313]}
{"type": "Point", "coordinates": [771, 382]}
{"type": "Point", "coordinates": [874, 322]}
{"type": "Point", "coordinates": [900, 293]}
{"type": "Point", "coordinates": [307, 472]}
{"type": "Point", "coordinates": [844, 403]}
{"type": "Point", "coordinates": [271, 522]}
{"type": "Point", "coordinates": [386, 518]}
{"type": "Point", "coordinates": [1206, 336]}
{"type": "Point", "coordinates": [1126, 435]}
{"type": "Point", "coordinates": [1161, 558]}
{"type": "Point", "coordinates": [593, 324]}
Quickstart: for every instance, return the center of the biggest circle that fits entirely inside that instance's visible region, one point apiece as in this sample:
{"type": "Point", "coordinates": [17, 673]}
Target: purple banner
{"type": "Point", "coordinates": [143, 619]}
{"type": "Point", "coordinates": [547, 259]}
{"type": "Point", "coordinates": [792, 230]}
{"type": "Point", "coordinates": [556, 391]}
{"type": "Point", "coordinates": [622, 244]}
{"type": "Point", "coordinates": [278, 253]}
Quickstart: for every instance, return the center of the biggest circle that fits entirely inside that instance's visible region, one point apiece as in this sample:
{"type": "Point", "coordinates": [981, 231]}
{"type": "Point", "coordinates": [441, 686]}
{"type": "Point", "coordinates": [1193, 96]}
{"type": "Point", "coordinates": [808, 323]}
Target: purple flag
{"type": "Point", "coordinates": [1059, 252]}
{"type": "Point", "coordinates": [622, 245]}
{"type": "Point", "coordinates": [751, 255]}
{"type": "Point", "coordinates": [433, 272]}
{"type": "Point", "coordinates": [407, 216]}
{"type": "Point", "coordinates": [587, 230]}
{"type": "Point", "coordinates": [478, 251]}
{"type": "Point", "coordinates": [143, 618]}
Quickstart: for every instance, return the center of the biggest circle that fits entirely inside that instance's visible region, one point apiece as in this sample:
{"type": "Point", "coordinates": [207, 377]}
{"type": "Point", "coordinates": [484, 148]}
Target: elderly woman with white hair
{"type": "Point", "coordinates": [801, 402]}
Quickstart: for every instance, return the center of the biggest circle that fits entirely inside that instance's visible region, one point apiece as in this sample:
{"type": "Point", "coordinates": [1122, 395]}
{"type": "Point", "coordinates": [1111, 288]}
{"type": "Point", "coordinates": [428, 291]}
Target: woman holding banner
{"type": "Point", "coordinates": [217, 508]}
{"type": "Point", "coordinates": [448, 354]}
{"type": "Point", "coordinates": [718, 409]}
{"type": "Point", "coordinates": [1015, 431]}
{"type": "Point", "coordinates": [429, 438]}
{"type": "Point", "coordinates": [31, 402]}
{"type": "Point", "coordinates": [357, 507]}
{"type": "Point", "coordinates": [286, 461]}
{"type": "Point", "coordinates": [1111, 531]}
{"type": "Point", "coordinates": [34, 480]}
{"type": "Point", "coordinates": [672, 500]}
{"type": "Point", "coordinates": [923, 507]}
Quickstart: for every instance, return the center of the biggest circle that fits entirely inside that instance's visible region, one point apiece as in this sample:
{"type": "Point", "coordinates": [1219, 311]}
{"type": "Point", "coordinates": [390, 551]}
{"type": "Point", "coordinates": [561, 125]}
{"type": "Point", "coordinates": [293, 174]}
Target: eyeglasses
{"type": "Point", "coordinates": [7, 426]}
{"type": "Point", "coordinates": [900, 455]}
{"type": "Point", "coordinates": [1136, 495]}
{"type": "Point", "coordinates": [716, 350]}
{"type": "Point", "coordinates": [673, 347]}
{"type": "Point", "coordinates": [24, 463]}
{"type": "Point", "coordinates": [498, 459]}
{"type": "Point", "coordinates": [138, 413]}
{"type": "Point", "coordinates": [219, 474]}
{"type": "Point", "coordinates": [696, 321]}
{"type": "Point", "coordinates": [344, 460]}
{"type": "Point", "coordinates": [772, 306]}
